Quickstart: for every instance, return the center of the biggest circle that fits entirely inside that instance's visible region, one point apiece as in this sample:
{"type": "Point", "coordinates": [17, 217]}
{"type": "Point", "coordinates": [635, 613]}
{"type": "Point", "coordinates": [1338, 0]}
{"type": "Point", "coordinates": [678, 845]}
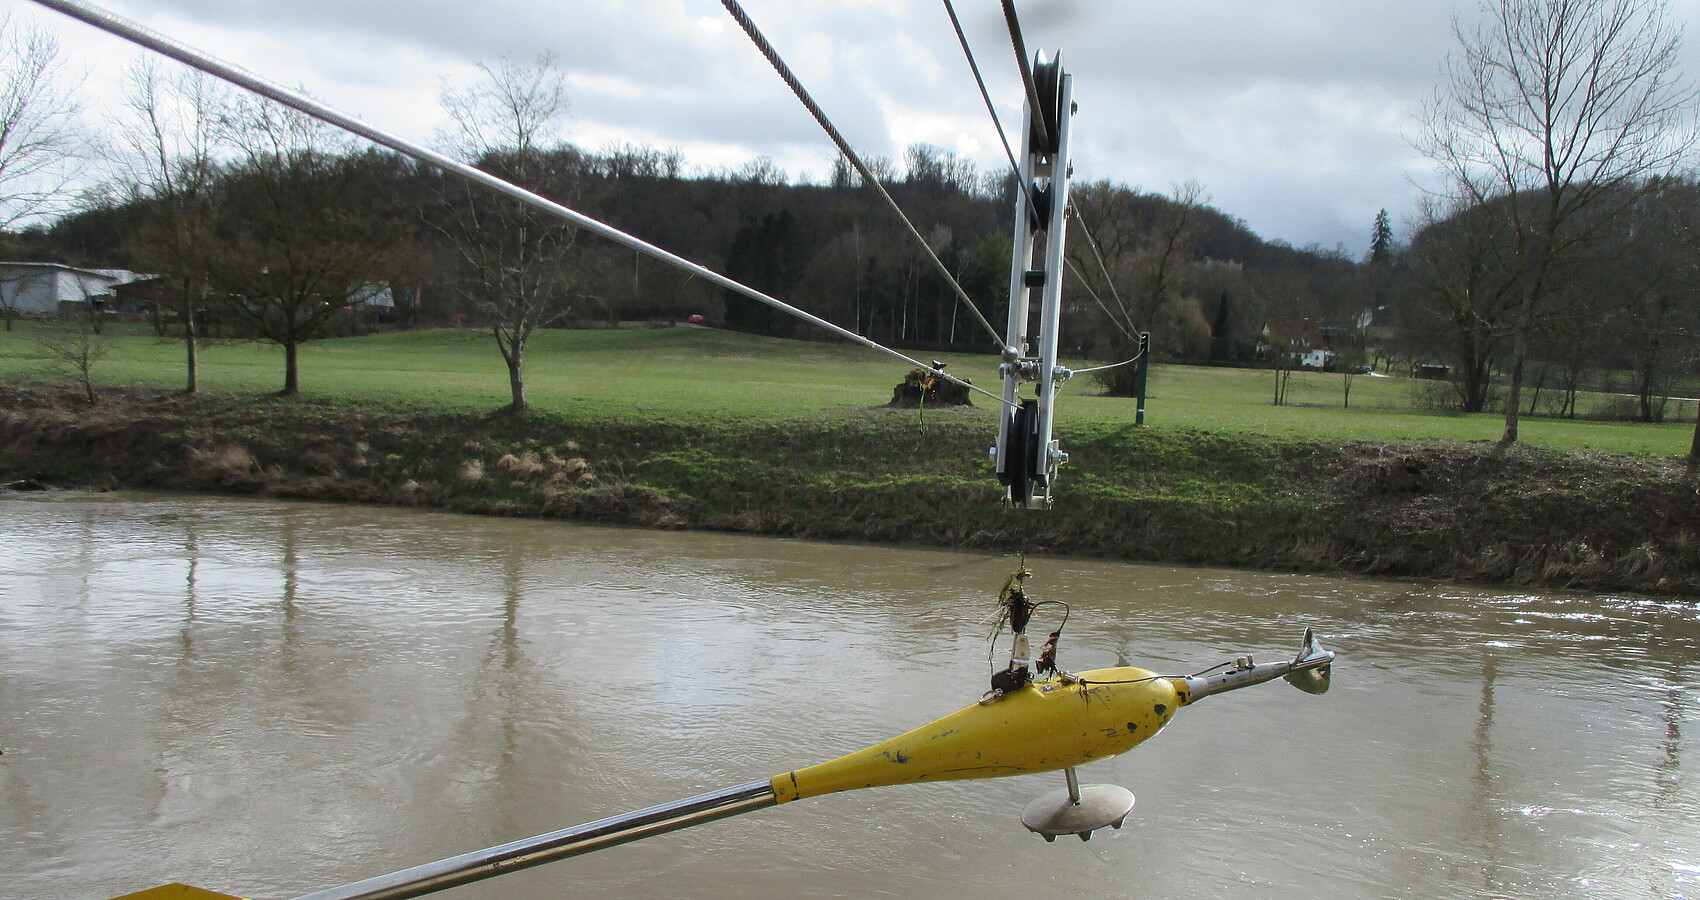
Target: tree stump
{"type": "Point", "coordinates": [927, 385]}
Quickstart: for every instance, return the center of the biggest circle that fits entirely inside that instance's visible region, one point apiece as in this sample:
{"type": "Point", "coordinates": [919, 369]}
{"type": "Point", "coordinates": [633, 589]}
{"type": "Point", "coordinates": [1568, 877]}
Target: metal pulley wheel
{"type": "Point", "coordinates": [1047, 80]}
{"type": "Point", "coordinates": [1018, 473]}
{"type": "Point", "coordinates": [1040, 210]}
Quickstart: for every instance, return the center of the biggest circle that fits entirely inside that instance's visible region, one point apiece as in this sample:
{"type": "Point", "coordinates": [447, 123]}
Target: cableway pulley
{"type": "Point", "coordinates": [1027, 457]}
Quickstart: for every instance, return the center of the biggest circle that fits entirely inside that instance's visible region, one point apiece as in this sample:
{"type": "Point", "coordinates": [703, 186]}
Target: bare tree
{"type": "Point", "coordinates": [1146, 247]}
{"type": "Point", "coordinates": [74, 347]}
{"type": "Point", "coordinates": [515, 261]}
{"type": "Point", "coordinates": [167, 138]}
{"type": "Point", "coordinates": [40, 133]}
{"type": "Point", "coordinates": [1550, 116]}
{"type": "Point", "coordinates": [1350, 354]}
{"type": "Point", "coordinates": [1463, 300]}
{"type": "Point", "coordinates": [297, 238]}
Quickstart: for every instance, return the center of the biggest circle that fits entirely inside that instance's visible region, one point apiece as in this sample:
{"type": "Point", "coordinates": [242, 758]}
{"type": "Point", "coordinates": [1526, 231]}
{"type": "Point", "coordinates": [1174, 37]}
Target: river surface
{"type": "Point", "coordinates": [268, 698]}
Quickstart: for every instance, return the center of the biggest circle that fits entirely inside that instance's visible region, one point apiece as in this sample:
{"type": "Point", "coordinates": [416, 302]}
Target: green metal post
{"type": "Point", "coordinates": [1144, 370]}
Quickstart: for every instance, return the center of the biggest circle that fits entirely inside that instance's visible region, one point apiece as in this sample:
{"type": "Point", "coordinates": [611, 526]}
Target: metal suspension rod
{"type": "Point", "coordinates": [516, 855]}
{"type": "Point", "coordinates": [1027, 457]}
{"type": "Point", "coordinates": [189, 56]}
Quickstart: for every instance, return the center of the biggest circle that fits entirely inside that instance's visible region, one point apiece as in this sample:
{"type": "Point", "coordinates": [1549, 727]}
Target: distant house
{"type": "Point", "coordinates": [376, 294]}
{"type": "Point", "coordinates": [35, 288]}
{"type": "Point", "coordinates": [1309, 346]}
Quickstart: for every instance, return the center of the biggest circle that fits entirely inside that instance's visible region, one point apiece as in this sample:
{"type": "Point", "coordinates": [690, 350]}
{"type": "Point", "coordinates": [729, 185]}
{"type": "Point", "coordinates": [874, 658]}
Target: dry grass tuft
{"type": "Point", "coordinates": [229, 464]}
{"type": "Point", "coordinates": [526, 465]}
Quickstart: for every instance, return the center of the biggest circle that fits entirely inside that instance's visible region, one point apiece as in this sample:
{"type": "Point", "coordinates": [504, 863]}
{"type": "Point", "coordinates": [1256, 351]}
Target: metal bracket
{"type": "Point", "coordinates": [1027, 457]}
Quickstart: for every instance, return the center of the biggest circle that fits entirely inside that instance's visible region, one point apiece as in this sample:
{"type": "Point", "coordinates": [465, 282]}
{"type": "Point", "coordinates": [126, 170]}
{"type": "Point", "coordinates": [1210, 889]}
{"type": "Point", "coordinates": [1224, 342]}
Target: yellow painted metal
{"type": "Point", "coordinates": [1041, 727]}
{"type": "Point", "coordinates": [176, 892]}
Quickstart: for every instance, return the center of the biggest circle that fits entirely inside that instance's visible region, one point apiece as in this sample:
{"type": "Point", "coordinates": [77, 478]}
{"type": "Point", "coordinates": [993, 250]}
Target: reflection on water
{"type": "Point", "coordinates": [268, 698]}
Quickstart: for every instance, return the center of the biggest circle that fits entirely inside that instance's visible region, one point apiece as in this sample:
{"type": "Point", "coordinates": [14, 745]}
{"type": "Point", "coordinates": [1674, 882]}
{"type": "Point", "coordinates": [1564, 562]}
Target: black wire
{"type": "Point", "coordinates": [1066, 610]}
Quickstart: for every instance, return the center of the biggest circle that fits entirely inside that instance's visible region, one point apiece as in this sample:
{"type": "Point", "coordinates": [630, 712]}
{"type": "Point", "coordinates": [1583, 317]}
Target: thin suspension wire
{"type": "Point", "coordinates": [1086, 233]}
{"type": "Point", "coordinates": [1126, 362]}
{"type": "Point", "coordinates": [1109, 315]}
{"type": "Point", "coordinates": [153, 40]}
{"type": "Point", "coordinates": [1027, 189]}
{"type": "Point", "coordinates": [997, 124]}
{"type": "Point", "coordinates": [1100, 300]}
{"type": "Point", "coordinates": [796, 86]}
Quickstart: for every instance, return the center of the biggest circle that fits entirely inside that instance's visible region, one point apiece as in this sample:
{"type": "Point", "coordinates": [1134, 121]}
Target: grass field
{"type": "Point", "coordinates": [692, 374]}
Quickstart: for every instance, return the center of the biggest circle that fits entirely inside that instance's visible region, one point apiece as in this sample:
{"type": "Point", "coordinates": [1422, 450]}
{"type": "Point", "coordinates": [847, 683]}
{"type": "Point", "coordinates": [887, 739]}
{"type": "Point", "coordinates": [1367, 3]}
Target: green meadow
{"type": "Point", "coordinates": [696, 376]}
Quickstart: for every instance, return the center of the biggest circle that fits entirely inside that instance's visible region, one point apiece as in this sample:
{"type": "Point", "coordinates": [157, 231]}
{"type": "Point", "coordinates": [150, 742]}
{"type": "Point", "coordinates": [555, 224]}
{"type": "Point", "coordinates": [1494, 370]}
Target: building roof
{"type": "Point", "coordinates": [118, 276]}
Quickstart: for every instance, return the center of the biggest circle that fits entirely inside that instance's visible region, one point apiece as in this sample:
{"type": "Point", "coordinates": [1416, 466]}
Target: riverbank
{"type": "Point", "coordinates": [1443, 509]}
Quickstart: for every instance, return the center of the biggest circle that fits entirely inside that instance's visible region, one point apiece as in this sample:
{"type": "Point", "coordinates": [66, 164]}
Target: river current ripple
{"type": "Point", "coordinates": [267, 698]}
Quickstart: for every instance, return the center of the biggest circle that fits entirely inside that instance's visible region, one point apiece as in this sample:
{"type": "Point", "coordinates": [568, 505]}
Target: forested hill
{"type": "Point", "coordinates": [1171, 264]}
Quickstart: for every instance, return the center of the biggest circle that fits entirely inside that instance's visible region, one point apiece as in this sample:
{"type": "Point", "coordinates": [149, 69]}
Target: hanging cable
{"type": "Point", "coordinates": [300, 102]}
{"type": "Point", "coordinates": [743, 19]}
{"type": "Point", "coordinates": [1130, 335]}
{"type": "Point", "coordinates": [1100, 300]}
{"type": "Point", "coordinates": [1126, 362]}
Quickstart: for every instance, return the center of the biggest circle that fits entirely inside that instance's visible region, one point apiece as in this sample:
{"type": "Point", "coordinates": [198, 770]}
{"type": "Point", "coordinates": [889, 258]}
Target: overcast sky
{"type": "Point", "coordinates": [1294, 115]}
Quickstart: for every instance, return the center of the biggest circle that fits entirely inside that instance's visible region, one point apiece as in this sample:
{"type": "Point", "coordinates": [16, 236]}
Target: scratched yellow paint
{"type": "Point", "coordinates": [1041, 727]}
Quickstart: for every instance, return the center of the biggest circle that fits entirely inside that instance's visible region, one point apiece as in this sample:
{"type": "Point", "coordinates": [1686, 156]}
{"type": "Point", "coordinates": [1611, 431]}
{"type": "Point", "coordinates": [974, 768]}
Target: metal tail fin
{"type": "Point", "coordinates": [1311, 667]}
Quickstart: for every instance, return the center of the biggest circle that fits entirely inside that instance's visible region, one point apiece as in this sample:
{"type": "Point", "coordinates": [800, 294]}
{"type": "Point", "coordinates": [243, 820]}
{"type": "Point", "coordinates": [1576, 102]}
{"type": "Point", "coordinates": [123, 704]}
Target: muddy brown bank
{"type": "Point", "coordinates": [1526, 516]}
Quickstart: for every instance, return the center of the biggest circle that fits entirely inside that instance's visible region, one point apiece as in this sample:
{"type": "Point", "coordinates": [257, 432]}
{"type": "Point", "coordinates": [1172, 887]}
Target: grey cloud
{"type": "Point", "coordinates": [1290, 111]}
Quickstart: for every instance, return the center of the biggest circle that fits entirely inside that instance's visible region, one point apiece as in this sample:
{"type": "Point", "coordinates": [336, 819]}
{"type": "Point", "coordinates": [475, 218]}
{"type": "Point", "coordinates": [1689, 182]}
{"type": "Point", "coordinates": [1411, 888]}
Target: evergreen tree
{"type": "Point", "coordinates": [1221, 342]}
{"type": "Point", "coordinates": [1381, 241]}
{"type": "Point", "coordinates": [767, 254]}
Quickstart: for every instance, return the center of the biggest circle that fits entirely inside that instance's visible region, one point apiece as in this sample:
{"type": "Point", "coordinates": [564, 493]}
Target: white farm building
{"type": "Point", "coordinates": [35, 288]}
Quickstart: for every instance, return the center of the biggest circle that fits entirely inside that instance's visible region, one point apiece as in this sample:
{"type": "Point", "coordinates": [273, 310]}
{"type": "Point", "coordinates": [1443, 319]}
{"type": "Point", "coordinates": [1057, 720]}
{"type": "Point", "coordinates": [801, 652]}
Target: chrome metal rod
{"type": "Point", "coordinates": [1203, 686]}
{"type": "Point", "coordinates": [137, 33]}
{"type": "Point", "coordinates": [516, 855]}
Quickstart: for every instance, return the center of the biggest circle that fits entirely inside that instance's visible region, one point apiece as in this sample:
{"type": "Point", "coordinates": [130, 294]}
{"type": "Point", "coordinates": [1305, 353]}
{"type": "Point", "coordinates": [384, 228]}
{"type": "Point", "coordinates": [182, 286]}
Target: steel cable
{"type": "Point", "coordinates": [1109, 282]}
{"type": "Point", "coordinates": [974, 66]}
{"type": "Point", "coordinates": [1026, 71]}
{"type": "Point", "coordinates": [159, 43]}
{"type": "Point", "coordinates": [1033, 101]}
{"type": "Point", "coordinates": [743, 19]}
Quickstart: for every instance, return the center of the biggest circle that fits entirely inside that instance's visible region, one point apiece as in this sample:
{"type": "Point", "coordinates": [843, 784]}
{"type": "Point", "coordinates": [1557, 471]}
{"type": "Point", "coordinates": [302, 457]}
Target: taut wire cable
{"type": "Point", "coordinates": [743, 19]}
{"type": "Point", "coordinates": [139, 34]}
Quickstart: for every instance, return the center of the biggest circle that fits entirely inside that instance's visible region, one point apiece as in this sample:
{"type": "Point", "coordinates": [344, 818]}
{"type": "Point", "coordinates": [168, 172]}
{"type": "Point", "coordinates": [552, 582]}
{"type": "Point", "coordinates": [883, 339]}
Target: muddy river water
{"type": "Point", "coordinates": [268, 698]}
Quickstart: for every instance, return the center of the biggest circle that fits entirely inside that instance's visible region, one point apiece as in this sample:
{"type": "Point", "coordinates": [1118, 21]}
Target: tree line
{"type": "Point", "coordinates": [277, 222]}
{"type": "Point", "coordinates": [1557, 255]}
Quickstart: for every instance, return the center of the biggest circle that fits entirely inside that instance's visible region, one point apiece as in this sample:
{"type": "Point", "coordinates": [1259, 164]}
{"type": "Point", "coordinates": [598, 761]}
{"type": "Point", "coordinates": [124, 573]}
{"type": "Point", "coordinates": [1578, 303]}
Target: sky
{"type": "Point", "coordinates": [1296, 116]}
